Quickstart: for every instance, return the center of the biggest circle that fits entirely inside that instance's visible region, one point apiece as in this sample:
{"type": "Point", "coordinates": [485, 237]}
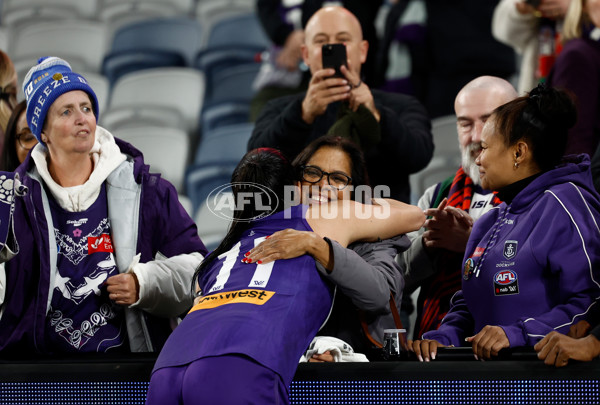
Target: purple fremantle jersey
{"type": "Point", "coordinates": [81, 318]}
{"type": "Point", "coordinates": [269, 312]}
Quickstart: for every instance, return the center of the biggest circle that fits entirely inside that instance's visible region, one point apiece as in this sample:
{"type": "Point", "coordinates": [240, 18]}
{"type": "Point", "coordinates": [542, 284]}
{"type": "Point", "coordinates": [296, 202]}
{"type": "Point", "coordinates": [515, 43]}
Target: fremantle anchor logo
{"type": "Point", "coordinates": [510, 248]}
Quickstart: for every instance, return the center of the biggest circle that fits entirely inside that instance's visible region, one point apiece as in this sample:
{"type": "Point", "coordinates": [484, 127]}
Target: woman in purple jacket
{"type": "Point", "coordinates": [531, 264]}
{"type": "Point", "coordinates": [88, 221]}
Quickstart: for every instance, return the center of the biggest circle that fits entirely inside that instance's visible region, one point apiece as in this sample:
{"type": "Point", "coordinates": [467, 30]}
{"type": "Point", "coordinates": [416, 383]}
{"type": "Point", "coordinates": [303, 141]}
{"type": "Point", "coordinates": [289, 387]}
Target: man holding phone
{"type": "Point", "coordinates": [393, 130]}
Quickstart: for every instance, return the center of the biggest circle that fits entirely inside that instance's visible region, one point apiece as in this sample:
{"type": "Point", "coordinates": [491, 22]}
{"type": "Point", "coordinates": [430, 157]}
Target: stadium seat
{"type": "Point", "coordinates": [445, 136]}
{"type": "Point", "coordinates": [201, 179]}
{"type": "Point", "coordinates": [85, 9]}
{"type": "Point", "coordinates": [209, 12]}
{"type": "Point", "coordinates": [446, 157]}
{"type": "Point", "coordinates": [233, 83]}
{"type": "Point", "coordinates": [180, 7]}
{"type": "Point", "coordinates": [117, 64]}
{"type": "Point", "coordinates": [100, 85]}
{"type": "Point", "coordinates": [243, 30]}
{"type": "Point", "coordinates": [213, 218]}
{"type": "Point", "coordinates": [224, 143]}
{"type": "Point", "coordinates": [4, 38]}
{"type": "Point", "coordinates": [163, 149]}
{"type": "Point", "coordinates": [120, 14]}
{"type": "Point", "coordinates": [153, 43]}
{"type": "Point", "coordinates": [173, 87]}
{"type": "Point", "coordinates": [142, 115]}
{"type": "Point", "coordinates": [19, 17]}
{"type": "Point", "coordinates": [223, 114]}
{"type": "Point", "coordinates": [86, 43]}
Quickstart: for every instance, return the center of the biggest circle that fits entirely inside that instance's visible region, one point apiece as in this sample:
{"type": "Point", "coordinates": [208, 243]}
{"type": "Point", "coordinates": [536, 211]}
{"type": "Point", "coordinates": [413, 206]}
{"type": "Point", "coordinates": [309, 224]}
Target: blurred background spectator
{"type": "Point", "coordinates": [8, 92]}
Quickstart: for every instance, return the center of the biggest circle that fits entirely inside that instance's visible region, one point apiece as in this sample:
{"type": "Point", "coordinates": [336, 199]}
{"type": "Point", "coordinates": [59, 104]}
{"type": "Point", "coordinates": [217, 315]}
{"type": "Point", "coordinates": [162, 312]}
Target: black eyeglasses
{"type": "Point", "coordinates": [312, 174]}
{"type": "Point", "coordinates": [26, 139]}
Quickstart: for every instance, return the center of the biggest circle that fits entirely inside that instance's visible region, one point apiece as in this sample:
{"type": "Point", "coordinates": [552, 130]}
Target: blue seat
{"type": "Point", "coordinates": [221, 64]}
{"type": "Point", "coordinates": [201, 179]}
{"type": "Point", "coordinates": [117, 64]}
{"type": "Point", "coordinates": [233, 83]}
{"type": "Point", "coordinates": [211, 60]}
{"type": "Point", "coordinates": [153, 43]}
{"type": "Point", "coordinates": [223, 114]}
{"type": "Point", "coordinates": [226, 143]}
{"type": "Point", "coordinates": [243, 30]}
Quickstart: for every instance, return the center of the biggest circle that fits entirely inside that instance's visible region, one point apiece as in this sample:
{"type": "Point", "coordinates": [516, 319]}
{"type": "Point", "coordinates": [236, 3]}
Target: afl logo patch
{"type": "Point", "coordinates": [506, 283]}
{"type": "Point", "coordinates": [505, 277]}
{"type": "Point", "coordinates": [510, 248]}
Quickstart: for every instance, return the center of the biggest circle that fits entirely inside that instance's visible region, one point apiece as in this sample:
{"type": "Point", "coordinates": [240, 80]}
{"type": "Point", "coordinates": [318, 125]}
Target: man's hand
{"type": "Point", "coordinates": [360, 93]}
{"type": "Point", "coordinates": [123, 289]}
{"type": "Point", "coordinates": [322, 91]}
{"type": "Point", "coordinates": [449, 228]}
{"type": "Point", "coordinates": [488, 342]}
{"type": "Point", "coordinates": [556, 349]}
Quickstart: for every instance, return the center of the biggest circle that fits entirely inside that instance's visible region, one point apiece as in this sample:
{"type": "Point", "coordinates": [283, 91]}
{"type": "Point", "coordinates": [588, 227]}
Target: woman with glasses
{"type": "Point", "coordinates": [251, 322]}
{"type": "Point", "coordinates": [532, 263]}
{"type": "Point", "coordinates": [18, 139]}
{"type": "Point", "coordinates": [333, 168]}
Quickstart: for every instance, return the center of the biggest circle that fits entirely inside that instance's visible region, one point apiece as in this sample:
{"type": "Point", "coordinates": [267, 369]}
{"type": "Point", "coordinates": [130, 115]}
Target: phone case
{"type": "Point", "coordinates": [334, 56]}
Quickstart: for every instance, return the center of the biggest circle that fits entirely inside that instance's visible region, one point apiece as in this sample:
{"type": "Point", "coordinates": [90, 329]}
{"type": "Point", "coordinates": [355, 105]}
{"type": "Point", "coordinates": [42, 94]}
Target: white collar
{"type": "Point", "coordinates": [106, 156]}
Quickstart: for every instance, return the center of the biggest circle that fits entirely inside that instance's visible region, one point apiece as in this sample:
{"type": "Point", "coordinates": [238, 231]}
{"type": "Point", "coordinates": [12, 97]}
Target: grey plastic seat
{"type": "Point", "coordinates": [172, 87]}
{"type": "Point", "coordinates": [164, 150]}
{"type": "Point", "coordinates": [86, 43]}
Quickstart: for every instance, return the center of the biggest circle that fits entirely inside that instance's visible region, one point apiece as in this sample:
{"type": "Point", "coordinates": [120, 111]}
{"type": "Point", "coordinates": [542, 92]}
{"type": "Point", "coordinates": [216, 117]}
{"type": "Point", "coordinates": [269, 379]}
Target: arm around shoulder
{"type": "Point", "coordinates": [351, 221]}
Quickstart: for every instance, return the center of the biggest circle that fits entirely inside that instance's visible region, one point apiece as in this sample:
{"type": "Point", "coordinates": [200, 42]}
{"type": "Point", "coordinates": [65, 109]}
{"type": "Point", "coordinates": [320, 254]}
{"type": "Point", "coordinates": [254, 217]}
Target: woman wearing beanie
{"type": "Point", "coordinates": [86, 221]}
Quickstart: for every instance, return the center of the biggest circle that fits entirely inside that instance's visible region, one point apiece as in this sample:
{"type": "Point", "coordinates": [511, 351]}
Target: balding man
{"type": "Point", "coordinates": [393, 130]}
{"type": "Point", "coordinates": [434, 260]}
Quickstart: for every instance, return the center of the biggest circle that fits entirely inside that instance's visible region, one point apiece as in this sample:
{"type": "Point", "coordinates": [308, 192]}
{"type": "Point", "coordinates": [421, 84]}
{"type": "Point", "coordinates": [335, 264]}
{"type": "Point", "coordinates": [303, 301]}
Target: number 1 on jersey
{"type": "Point", "coordinates": [261, 275]}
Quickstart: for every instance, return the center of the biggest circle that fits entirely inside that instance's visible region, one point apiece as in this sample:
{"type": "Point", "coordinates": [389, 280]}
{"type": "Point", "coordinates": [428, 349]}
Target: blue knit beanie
{"type": "Point", "coordinates": [47, 81]}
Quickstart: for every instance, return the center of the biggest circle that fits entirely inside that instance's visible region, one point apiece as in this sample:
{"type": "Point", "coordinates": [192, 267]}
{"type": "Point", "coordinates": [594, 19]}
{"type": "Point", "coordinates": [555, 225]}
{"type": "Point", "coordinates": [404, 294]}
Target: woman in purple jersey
{"type": "Point", "coordinates": [241, 342]}
{"type": "Point", "coordinates": [532, 263]}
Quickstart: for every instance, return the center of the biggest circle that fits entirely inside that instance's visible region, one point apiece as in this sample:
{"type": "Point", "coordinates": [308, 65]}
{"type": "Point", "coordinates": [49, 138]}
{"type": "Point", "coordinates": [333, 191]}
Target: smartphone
{"type": "Point", "coordinates": [334, 56]}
